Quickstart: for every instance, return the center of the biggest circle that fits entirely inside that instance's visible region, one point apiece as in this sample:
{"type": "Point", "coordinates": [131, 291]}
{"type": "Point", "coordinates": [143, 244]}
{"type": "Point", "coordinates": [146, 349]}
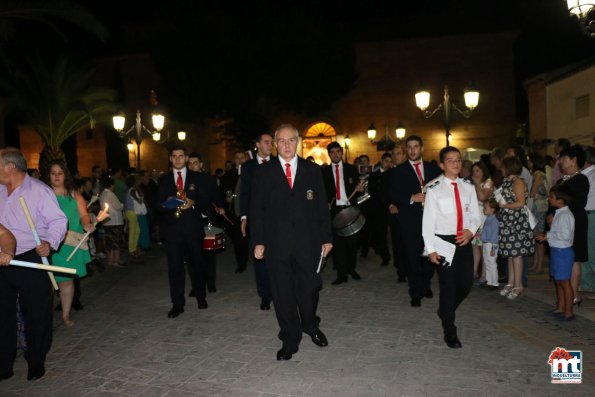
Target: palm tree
{"type": "Point", "coordinates": [57, 102]}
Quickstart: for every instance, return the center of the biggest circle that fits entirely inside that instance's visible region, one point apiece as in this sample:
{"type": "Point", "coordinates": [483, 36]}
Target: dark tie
{"type": "Point", "coordinates": [418, 172]}
{"type": "Point", "coordinates": [180, 181]}
{"type": "Point", "coordinates": [263, 161]}
{"type": "Point", "coordinates": [459, 208]}
{"type": "Point", "coordinates": [288, 174]}
{"type": "Point", "coordinates": [337, 182]}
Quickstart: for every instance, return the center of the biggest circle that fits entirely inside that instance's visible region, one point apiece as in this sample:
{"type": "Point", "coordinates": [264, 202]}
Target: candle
{"type": "Point", "coordinates": [100, 217]}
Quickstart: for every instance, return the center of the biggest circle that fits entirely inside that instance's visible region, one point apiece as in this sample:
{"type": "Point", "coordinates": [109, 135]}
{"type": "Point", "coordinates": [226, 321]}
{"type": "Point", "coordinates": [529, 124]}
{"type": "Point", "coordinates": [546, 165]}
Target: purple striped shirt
{"type": "Point", "coordinates": [48, 218]}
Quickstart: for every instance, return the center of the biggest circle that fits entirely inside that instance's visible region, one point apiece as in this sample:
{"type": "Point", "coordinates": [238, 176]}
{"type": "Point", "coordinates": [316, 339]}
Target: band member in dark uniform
{"type": "Point", "coordinates": [230, 191]}
{"type": "Point", "coordinates": [340, 181]}
{"type": "Point", "coordinates": [451, 214]}
{"type": "Point", "coordinates": [264, 146]}
{"type": "Point", "coordinates": [290, 227]}
{"type": "Point", "coordinates": [406, 186]}
{"type": "Point", "coordinates": [182, 231]}
{"type": "Point", "coordinates": [195, 164]}
{"type": "Point", "coordinates": [379, 208]}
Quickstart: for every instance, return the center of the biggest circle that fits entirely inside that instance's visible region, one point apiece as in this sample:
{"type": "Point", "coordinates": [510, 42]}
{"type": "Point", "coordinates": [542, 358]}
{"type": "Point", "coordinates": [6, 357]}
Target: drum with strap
{"type": "Point", "coordinates": [214, 239]}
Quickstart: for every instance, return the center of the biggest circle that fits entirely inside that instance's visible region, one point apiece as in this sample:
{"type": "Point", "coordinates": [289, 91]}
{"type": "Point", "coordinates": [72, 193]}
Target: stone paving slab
{"type": "Point", "coordinates": [123, 344]}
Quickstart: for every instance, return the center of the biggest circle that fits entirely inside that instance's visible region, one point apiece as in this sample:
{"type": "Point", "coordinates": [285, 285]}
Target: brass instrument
{"type": "Point", "coordinates": [181, 194]}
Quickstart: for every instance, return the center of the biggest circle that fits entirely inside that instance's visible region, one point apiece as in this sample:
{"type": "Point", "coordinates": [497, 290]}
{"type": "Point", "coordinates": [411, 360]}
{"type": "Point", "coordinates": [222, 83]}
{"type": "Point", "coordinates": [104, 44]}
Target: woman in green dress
{"type": "Point", "coordinates": [75, 208]}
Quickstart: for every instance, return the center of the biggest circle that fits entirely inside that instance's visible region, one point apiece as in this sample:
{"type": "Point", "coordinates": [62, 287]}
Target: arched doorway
{"type": "Point", "coordinates": [315, 139]}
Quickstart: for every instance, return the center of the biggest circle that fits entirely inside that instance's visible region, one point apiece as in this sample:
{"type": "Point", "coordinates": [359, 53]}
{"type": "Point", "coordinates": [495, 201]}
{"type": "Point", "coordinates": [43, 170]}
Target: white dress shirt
{"type": "Point", "coordinates": [183, 171]}
{"type": "Point", "coordinates": [440, 210]}
{"type": "Point", "coordinates": [589, 172]}
{"type": "Point", "coordinates": [261, 159]}
{"type": "Point", "coordinates": [343, 200]}
{"type": "Point", "coordinates": [561, 234]}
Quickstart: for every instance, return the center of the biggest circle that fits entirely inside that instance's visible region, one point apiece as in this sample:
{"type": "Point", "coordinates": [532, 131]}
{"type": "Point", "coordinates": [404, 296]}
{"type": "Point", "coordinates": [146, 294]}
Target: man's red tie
{"type": "Point", "coordinates": [459, 208]}
{"type": "Point", "coordinates": [180, 181]}
{"type": "Point", "coordinates": [418, 172]}
{"type": "Point", "coordinates": [288, 175]}
{"type": "Point", "coordinates": [337, 182]}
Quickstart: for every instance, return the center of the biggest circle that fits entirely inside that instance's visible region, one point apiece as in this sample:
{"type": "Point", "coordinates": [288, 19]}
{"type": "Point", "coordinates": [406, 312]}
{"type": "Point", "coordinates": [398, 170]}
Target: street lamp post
{"type": "Point", "coordinates": [119, 121]}
{"type": "Point", "coordinates": [584, 11]}
{"type": "Point", "coordinates": [422, 100]}
{"type": "Point", "coordinates": [386, 143]}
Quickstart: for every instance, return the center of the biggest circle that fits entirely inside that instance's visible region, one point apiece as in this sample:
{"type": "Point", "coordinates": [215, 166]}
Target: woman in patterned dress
{"type": "Point", "coordinates": [515, 238]}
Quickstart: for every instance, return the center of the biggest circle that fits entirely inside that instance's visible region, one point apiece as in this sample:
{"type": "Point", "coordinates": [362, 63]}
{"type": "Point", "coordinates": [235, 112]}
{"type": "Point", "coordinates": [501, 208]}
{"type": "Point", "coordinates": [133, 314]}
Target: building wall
{"type": "Point", "coordinates": [390, 72]}
{"type": "Point", "coordinates": [536, 96]}
{"type": "Point", "coordinates": [561, 113]}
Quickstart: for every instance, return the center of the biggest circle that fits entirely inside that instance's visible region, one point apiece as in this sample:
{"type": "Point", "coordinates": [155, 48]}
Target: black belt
{"type": "Point", "coordinates": [342, 206]}
{"type": "Point", "coordinates": [451, 238]}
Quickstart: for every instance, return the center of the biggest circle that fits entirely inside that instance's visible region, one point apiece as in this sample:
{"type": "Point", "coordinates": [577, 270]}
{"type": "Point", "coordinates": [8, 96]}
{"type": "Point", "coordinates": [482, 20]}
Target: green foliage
{"type": "Point", "coordinates": [56, 101]}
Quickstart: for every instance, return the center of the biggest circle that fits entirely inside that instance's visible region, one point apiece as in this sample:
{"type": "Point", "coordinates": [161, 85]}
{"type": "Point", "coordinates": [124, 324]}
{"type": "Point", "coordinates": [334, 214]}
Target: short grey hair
{"type": "Point", "coordinates": [14, 156]}
{"type": "Point", "coordinates": [287, 127]}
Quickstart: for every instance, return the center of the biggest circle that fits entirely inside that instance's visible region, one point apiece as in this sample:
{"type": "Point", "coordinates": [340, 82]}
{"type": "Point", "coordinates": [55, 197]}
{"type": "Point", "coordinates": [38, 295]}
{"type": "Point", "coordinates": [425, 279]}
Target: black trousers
{"type": "Point", "coordinates": [177, 252]}
{"type": "Point", "coordinates": [344, 254]}
{"type": "Point", "coordinates": [261, 275]}
{"type": "Point", "coordinates": [456, 282]}
{"type": "Point", "coordinates": [35, 293]}
{"type": "Point", "coordinates": [379, 231]}
{"type": "Point", "coordinates": [419, 270]}
{"type": "Point", "coordinates": [398, 246]}
{"type": "Point", "coordinates": [295, 286]}
{"type": "Point", "coordinates": [240, 243]}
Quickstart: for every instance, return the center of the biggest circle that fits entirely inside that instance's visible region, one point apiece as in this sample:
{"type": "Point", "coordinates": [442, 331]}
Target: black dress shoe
{"type": "Point", "coordinates": [415, 302]}
{"type": "Point", "coordinates": [192, 294]}
{"type": "Point", "coordinates": [240, 270]}
{"type": "Point", "coordinates": [6, 375]}
{"type": "Point", "coordinates": [265, 304]}
{"type": "Point", "coordinates": [285, 353]}
{"type": "Point", "coordinates": [319, 339]}
{"type": "Point", "coordinates": [339, 281]}
{"type": "Point", "coordinates": [202, 303]}
{"type": "Point", "coordinates": [439, 314]}
{"type": "Point", "coordinates": [211, 288]}
{"type": "Point", "coordinates": [402, 279]}
{"type": "Point", "coordinates": [354, 275]}
{"type": "Point", "coordinates": [429, 294]}
{"type": "Point", "coordinates": [453, 342]}
{"type": "Point", "coordinates": [36, 372]}
{"type": "Point", "coordinates": [175, 312]}
{"type": "Point", "coordinates": [76, 305]}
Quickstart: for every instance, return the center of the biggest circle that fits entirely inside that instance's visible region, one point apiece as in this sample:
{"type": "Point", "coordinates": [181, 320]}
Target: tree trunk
{"type": "Point", "coordinates": [47, 155]}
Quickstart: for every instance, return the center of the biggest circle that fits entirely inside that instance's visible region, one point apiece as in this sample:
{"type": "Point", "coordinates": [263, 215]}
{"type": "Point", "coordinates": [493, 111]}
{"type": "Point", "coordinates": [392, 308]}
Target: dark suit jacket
{"type": "Point", "coordinates": [288, 220]}
{"type": "Point", "coordinates": [378, 189]}
{"type": "Point", "coordinates": [228, 183]}
{"type": "Point", "coordinates": [202, 189]}
{"type": "Point", "coordinates": [350, 178]}
{"type": "Point", "coordinates": [246, 184]}
{"type": "Point", "coordinates": [403, 183]}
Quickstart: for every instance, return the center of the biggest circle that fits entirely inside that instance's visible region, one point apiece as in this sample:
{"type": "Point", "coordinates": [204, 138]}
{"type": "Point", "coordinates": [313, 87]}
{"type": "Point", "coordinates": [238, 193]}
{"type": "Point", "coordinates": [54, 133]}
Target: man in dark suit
{"type": "Point", "coordinates": [290, 226]}
{"type": "Point", "coordinates": [379, 208]}
{"type": "Point", "coordinates": [340, 181]}
{"type": "Point", "coordinates": [264, 146]}
{"type": "Point", "coordinates": [230, 191]}
{"type": "Point", "coordinates": [406, 186]}
{"type": "Point", "coordinates": [183, 235]}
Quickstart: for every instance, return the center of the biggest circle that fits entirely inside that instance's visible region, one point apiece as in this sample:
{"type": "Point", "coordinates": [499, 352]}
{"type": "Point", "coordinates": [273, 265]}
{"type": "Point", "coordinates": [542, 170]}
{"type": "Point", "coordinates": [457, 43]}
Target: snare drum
{"type": "Point", "coordinates": [214, 239]}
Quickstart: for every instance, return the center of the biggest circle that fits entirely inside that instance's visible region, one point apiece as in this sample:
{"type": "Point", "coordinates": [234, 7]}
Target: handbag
{"type": "Point", "coordinates": [530, 217]}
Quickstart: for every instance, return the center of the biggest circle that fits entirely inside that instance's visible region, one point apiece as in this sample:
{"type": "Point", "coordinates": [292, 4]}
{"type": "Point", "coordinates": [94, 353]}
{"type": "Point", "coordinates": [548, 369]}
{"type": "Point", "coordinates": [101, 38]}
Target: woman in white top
{"type": "Point", "coordinates": [114, 225]}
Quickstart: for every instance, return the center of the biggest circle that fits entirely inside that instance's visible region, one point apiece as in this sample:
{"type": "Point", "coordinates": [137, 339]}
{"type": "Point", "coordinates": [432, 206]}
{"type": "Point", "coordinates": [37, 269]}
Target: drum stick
{"type": "Point", "coordinates": [37, 240]}
{"type": "Point", "coordinates": [50, 268]}
{"type": "Point", "coordinates": [353, 193]}
{"type": "Point", "coordinates": [223, 215]}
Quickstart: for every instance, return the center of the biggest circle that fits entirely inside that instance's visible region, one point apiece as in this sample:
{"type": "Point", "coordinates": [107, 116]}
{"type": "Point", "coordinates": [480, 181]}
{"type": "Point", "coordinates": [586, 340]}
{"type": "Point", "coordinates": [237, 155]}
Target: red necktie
{"type": "Point", "coordinates": [418, 172]}
{"type": "Point", "coordinates": [288, 174]}
{"type": "Point", "coordinates": [180, 181]}
{"type": "Point", "coordinates": [459, 208]}
{"type": "Point", "coordinates": [337, 182]}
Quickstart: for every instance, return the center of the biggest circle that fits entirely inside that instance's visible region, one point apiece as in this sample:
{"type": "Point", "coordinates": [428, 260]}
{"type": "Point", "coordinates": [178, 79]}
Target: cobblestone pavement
{"type": "Point", "coordinates": [123, 344]}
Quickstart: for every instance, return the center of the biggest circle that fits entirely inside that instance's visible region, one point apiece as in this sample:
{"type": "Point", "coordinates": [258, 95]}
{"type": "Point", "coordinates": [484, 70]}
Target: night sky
{"type": "Point", "coordinates": [224, 58]}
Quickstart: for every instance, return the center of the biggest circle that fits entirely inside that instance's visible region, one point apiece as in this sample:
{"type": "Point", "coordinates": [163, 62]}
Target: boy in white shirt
{"type": "Point", "coordinates": [560, 238]}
